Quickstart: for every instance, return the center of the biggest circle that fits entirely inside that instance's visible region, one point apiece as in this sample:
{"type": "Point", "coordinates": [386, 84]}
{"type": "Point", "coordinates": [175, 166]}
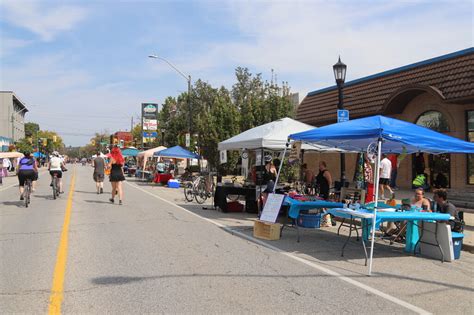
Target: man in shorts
{"type": "Point", "coordinates": [385, 172]}
{"type": "Point", "coordinates": [99, 172]}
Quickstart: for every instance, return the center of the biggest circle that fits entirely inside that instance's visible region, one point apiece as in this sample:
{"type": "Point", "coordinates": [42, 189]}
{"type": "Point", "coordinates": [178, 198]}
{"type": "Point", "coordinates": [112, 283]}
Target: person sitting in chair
{"type": "Point", "coordinates": [442, 205]}
{"type": "Point", "coordinates": [420, 201]}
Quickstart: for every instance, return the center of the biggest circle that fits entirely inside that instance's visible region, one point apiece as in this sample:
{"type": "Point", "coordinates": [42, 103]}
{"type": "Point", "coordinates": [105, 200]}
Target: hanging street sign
{"type": "Point", "coordinates": [342, 115]}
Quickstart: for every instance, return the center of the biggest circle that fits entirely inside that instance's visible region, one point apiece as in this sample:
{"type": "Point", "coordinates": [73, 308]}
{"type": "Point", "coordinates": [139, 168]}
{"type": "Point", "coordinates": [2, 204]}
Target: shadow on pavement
{"type": "Point", "coordinates": [19, 204]}
{"type": "Point", "coordinates": [97, 201]}
{"type": "Point", "coordinates": [121, 280]}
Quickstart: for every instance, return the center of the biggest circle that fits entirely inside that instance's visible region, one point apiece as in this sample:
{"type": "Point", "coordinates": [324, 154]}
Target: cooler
{"type": "Point", "coordinates": [457, 244]}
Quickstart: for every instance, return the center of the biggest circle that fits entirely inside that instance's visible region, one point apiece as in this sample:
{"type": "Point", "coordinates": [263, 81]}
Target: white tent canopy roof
{"type": "Point", "coordinates": [273, 135]}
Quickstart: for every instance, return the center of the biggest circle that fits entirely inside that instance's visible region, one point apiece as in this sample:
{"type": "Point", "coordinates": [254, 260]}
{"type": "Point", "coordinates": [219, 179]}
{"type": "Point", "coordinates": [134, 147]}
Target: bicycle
{"type": "Point", "coordinates": [200, 188]}
{"type": "Point", "coordinates": [55, 185]}
{"type": "Point", "coordinates": [27, 192]}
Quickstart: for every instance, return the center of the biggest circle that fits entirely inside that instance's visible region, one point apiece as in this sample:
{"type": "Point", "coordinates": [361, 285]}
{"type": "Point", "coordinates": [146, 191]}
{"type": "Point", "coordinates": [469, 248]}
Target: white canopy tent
{"type": "Point", "coordinates": [272, 136]}
{"type": "Point", "coordinates": [143, 156]}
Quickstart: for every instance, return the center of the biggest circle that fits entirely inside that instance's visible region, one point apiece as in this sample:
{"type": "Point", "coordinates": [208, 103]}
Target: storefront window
{"type": "Point", "coordinates": [433, 120]}
{"type": "Point", "coordinates": [440, 164]}
{"type": "Point", "coordinates": [470, 137]}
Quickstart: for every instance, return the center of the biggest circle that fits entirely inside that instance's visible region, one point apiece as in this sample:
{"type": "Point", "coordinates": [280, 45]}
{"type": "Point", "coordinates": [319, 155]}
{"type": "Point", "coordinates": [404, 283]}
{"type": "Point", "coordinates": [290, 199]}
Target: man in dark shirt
{"type": "Point", "coordinates": [99, 172]}
{"type": "Point", "coordinates": [442, 205]}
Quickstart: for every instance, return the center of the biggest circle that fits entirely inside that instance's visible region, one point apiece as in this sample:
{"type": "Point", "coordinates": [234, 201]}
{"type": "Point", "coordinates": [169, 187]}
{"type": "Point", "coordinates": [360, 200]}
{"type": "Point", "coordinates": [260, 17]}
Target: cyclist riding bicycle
{"type": "Point", "coordinates": [56, 166]}
{"type": "Point", "coordinates": [26, 169]}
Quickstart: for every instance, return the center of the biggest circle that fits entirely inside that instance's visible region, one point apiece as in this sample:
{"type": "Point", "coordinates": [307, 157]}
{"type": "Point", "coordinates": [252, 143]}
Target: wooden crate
{"type": "Point", "coordinates": [266, 230]}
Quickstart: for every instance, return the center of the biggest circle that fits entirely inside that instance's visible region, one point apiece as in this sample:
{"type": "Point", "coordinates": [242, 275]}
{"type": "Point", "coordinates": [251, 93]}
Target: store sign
{"type": "Point", "coordinates": [342, 115]}
{"type": "Point", "coordinates": [148, 134]}
{"type": "Point", "coordinates": [150, 124]}
{"type": "Point", "coordinates": [149, 121]}
{"type": "Point", "coordinates": [223, 156]}
{"type": "Point", "coordinates": [188, 140]}
{"type": "Point", "coordinates": [295, 153]}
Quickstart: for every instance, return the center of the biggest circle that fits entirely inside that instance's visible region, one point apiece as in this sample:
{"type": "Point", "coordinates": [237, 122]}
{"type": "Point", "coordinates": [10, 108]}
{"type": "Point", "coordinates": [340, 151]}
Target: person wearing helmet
{"type": "Point", "coordinates": [26, 169]}
{"type": "Point", "coordinates": [56, 166]}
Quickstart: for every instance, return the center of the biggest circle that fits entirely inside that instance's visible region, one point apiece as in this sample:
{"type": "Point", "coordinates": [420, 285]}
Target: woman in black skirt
{"type": "Point", "coordinates": [116, 173]}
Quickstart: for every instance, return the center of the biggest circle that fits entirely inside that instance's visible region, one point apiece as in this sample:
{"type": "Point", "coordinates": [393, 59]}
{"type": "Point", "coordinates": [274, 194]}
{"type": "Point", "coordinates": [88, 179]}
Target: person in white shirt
{"type": "Point", "coordinates": [385, 171]}
{"type": "Point", "coordinates": [56, 166]}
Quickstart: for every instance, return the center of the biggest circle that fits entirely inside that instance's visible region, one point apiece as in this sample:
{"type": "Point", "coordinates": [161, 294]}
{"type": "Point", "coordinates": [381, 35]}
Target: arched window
{"type": "Point", "coordinates": [433, 120]}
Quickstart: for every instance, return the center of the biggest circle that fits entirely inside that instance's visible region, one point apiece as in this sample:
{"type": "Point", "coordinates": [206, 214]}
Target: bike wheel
{"type": "Point", "coordinates": [188, 192]}
{"type": "Point", "coordinates": [200, 193]}
{"type": "Point", "coordinates": [26, 195]}
{"type": "Point", "coordinates": [55, 188]}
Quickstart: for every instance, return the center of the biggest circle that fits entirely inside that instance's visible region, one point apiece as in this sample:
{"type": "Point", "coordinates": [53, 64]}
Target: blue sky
{"type": "Point", "coordinates": [82, 66]}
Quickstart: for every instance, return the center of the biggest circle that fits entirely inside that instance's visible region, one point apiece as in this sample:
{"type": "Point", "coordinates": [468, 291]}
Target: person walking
{"type": "Point", "coordinates": [116, 173]}
{"type": "Point", "coordinates": [99, 173]}
{"type": "Point", "coordinates": [6, 165]}
{"type": "Point", "coordinates": [385, 172]}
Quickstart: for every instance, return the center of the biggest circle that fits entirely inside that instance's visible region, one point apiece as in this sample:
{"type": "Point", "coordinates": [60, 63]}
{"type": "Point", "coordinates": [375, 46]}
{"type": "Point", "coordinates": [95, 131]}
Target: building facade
{"type": "Point", "coordinates": [12, 118]}
{"type": "Point", "coordinates": [437, 93]}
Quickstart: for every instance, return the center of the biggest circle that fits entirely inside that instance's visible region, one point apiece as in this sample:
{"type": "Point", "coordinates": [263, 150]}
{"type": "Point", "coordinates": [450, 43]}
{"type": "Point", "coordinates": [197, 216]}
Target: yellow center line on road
{"type": "Point", "coordinates": [56, 297]}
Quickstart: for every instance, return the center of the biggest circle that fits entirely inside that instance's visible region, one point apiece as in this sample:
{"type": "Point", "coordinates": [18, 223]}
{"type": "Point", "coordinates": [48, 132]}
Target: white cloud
{"type": "Point", "coordinates": [303, 39]}
{"type": "Point", "coordinates": [42, 19]}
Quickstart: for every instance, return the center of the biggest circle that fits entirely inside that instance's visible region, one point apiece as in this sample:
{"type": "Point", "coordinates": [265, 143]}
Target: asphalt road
{"type": "Point", "coordinates": [150, 256]}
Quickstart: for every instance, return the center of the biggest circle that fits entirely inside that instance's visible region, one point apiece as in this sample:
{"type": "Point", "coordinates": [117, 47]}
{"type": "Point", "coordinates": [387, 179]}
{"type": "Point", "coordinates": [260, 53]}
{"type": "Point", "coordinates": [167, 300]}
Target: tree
{"type": "Point", "coordinates": [53, 141]}
{"type": "Point", "coordinates": [31, 129]}
{"type": "Point", "coordinates": [24, 145]}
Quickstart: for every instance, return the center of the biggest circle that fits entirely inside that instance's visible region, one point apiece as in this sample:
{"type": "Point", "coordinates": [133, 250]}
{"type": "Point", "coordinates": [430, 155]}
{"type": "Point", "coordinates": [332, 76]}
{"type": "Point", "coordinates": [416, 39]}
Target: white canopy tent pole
{"type": "Point", "coordinates": [279, 168]}
{"type": "Point", "coordinates": [377, 179]}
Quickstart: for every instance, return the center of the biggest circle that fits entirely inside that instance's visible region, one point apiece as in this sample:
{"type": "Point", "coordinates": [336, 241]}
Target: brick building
{"type": "Point", "coordinates": [437, 93]}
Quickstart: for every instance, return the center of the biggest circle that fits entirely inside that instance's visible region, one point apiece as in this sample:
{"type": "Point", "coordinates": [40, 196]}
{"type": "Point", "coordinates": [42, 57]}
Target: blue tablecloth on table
{"type": "Point", "coordinates": [297, 205]}
{"type": "Point", "coordinates": [411, 217]}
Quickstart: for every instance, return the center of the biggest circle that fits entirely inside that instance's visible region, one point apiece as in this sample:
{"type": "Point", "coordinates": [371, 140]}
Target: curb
{"type": "Point", "coordinates": [468, 248]}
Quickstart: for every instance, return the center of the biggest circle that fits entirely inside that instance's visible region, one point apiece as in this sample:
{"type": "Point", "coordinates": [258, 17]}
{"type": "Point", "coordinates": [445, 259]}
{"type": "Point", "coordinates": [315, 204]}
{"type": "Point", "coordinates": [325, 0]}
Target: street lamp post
{"type": "Point", "coordinates": [188, 79]}
{"type": "Point", "coordinates": [340, 75]}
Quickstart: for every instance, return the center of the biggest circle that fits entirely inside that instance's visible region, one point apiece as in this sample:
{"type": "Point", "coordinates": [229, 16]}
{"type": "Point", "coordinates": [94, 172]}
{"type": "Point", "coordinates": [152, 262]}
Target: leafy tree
{"type": "Point", "coordinates": [31, 129]}
{"type": "Point", "coordinates": [24, 145]}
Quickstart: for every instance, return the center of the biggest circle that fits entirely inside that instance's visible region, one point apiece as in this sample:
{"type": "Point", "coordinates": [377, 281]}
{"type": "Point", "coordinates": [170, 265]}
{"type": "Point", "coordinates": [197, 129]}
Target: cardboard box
{"type": "Point", "coordinates": [266, 230]}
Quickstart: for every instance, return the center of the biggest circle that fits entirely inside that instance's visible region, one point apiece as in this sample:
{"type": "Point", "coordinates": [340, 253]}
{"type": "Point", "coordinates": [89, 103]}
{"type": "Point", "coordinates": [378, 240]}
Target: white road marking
{"type": "Point", "coordinates": [302, 260]}
{"type": "Point", "coordinates": [7, 187]}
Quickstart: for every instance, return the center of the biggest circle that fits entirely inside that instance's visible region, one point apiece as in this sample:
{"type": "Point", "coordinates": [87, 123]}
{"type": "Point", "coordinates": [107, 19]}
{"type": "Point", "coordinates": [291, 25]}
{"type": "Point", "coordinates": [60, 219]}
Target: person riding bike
{"type": "Point", "coordinates": [56, 166]}
{"type": "Point", "coordinates": [26, 169]}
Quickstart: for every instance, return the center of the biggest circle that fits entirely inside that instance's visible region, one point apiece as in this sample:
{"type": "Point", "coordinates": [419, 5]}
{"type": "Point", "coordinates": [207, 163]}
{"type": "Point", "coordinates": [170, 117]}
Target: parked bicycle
{"type": "Point", "coordinates": [200, 188]}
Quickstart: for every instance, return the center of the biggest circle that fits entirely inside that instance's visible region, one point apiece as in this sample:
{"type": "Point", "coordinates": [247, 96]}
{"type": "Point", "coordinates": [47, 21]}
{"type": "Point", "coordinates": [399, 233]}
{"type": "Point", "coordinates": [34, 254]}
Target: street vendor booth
{"type": "Point", "coordinates": [272, 136]}
{"type": "Point", "coordinates": [130, 155]}
{"type": "Point", "coordinates": [142, 160]}
{"type": "Point", "coordinates": [176, 152]}
{"type": "Point", "coordinates": [376, 135]}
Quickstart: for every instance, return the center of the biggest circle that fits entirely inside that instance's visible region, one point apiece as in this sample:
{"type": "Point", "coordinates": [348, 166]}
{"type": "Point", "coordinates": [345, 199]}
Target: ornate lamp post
{"type": "Point", "coordinates": [340, 75]}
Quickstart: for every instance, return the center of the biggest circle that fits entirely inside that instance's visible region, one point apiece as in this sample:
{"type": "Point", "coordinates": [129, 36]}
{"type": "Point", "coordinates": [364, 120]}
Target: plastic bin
{"type": "Point", "coordinates": [457, 244]}
{"type": "Point", "coordinates": [309, 220]}
{"type": "Point", "coordinates": [173, 183]}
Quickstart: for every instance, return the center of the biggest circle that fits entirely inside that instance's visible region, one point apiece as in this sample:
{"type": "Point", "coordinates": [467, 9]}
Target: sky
{"type": "Point", "coordinates": [81, 66]}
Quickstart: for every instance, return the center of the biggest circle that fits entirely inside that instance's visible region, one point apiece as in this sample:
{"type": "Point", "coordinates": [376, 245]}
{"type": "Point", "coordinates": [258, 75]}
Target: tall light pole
{"type": "Point", "coordinates": [340, 75]}
{"type": "Point", "coordinates": [188, 79]}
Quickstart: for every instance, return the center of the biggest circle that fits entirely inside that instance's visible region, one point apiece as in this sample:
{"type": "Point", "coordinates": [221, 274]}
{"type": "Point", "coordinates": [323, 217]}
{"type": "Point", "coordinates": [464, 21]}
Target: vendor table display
{"type": "Point", "coordinates": [162, 178]}
{"type": "Point", "coordinates": [412, 218]}
{"type": "Point", "coordinates": [296, 206]}
{"type": "Point", "coordinates": [222, 191]}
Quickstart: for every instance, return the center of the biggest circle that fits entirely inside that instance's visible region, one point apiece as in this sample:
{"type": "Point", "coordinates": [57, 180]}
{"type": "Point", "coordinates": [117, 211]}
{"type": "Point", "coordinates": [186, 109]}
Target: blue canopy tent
{"type": "Point", "coordinates": [377, 134]}
{"type": "Point", "coordinates": [177, 152]}
{"type": "Point", "coordinates": [39, 155]}
{"type": "Point", "coordinates": [130, 152]}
